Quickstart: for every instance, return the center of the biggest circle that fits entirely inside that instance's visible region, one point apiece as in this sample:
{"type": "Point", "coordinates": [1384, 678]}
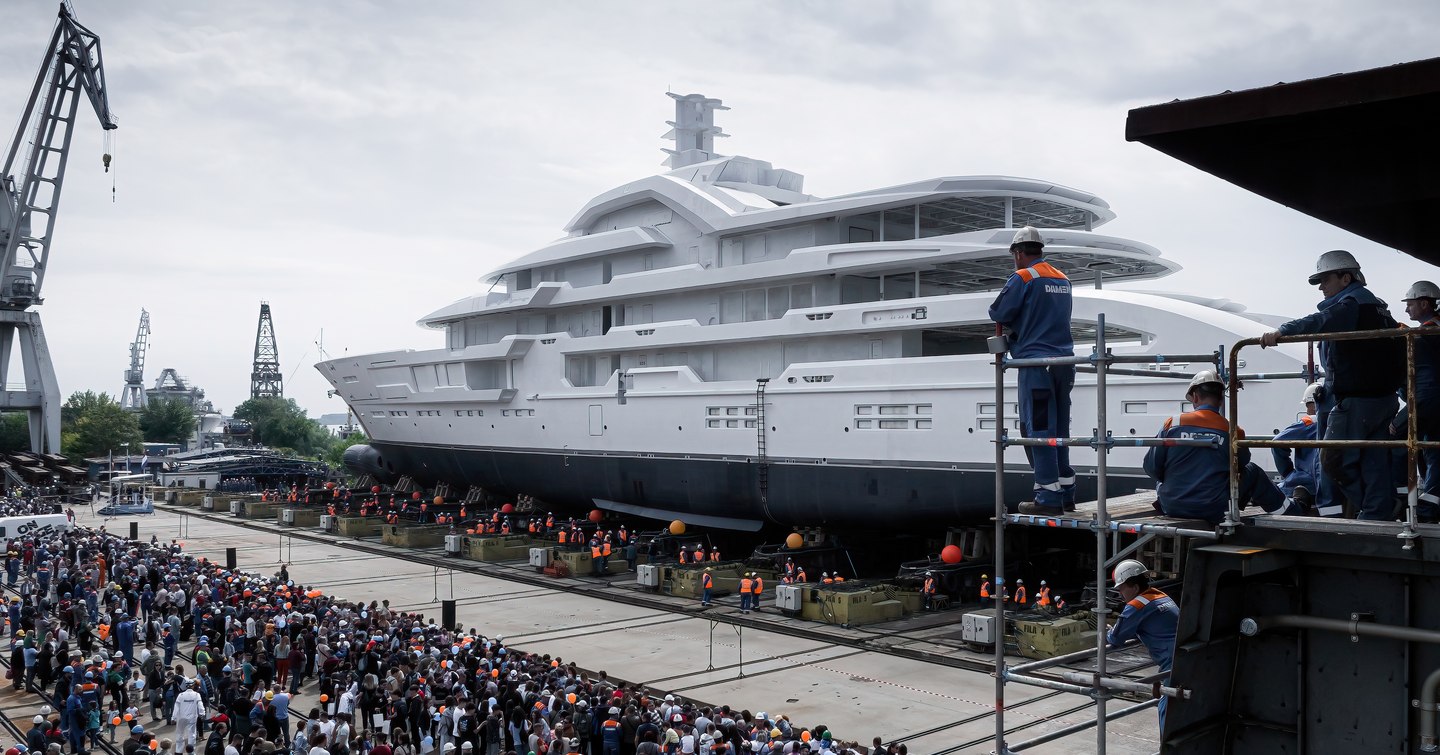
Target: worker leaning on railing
{"type": "Point", "coordinates": [1359, 395]}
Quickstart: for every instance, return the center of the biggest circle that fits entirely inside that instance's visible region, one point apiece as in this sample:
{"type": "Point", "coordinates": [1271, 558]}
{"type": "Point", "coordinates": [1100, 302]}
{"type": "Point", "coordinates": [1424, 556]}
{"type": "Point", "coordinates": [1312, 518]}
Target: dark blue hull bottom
{"type": "Point", "coordinates": [839, 496]}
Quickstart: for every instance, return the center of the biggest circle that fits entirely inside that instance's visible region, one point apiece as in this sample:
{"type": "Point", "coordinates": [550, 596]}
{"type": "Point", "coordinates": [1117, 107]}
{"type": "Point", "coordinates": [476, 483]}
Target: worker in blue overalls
{"type": "Point", "coordinates": [1195, 480]}
{"type": "Point", "coordinates": [1035, 307]}
{"type": "Point", "coordinates": [1420, 306]}
{"type": "Point", "coordinates": [1358, 398]}
{"type": "Point", "coordinates": [1298, 467]}
{"type": "Point", "coordinates": [1150, 616]}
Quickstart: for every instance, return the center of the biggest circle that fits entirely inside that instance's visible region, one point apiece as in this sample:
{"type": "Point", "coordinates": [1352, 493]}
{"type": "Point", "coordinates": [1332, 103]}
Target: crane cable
{"type": "Point", "coordinates": [109, 147]}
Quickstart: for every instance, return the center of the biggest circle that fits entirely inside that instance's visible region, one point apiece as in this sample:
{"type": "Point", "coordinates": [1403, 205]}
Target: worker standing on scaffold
{"type": "Point", "coordinates": [1035, 306]}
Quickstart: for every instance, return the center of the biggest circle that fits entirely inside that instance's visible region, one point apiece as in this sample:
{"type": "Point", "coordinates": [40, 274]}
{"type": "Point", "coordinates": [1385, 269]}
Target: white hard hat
{"type": "Point", "coordinates": [1422, 290]}
{"type": "Point", "coordinates": [1336, 261]}
{"type": "Point", "coordinates": [1027, 235]}
{"type": "Point", "coordinates": [1206, 376]}
{"type": "Point", "coordinates": [1127, 570]}
{"type": "Point", "coordinates": [1310, 391]}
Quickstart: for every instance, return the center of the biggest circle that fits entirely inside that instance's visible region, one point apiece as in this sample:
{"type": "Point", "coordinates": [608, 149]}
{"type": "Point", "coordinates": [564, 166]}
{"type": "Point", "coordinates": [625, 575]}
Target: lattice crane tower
{"type": "Point", "coordinates": [30, 183]}
{"type": "Point", "coordinates": [265, 378]}
{"type": "Point", "coordinates": [133, 395]}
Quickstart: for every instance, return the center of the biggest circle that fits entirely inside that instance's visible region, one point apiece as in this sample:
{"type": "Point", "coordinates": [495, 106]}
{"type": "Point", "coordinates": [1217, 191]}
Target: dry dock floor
{"type": "Point", "coordinates": [858, 693]}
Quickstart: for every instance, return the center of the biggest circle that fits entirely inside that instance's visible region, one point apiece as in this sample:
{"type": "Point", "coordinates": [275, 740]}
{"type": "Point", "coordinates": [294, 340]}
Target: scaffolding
{"type": "Point", "coordinates": [1099, 684]}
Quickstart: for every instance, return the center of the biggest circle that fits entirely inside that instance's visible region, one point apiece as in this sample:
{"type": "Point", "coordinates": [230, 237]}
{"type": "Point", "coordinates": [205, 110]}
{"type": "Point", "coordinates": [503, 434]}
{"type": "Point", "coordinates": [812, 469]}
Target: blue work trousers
{"type": "Point", "coordinates": [1362, 475]}
{"type": "Point", "coordinates": [1044, 398]}
{"type": "Point", "coordinates": [1327, 497]}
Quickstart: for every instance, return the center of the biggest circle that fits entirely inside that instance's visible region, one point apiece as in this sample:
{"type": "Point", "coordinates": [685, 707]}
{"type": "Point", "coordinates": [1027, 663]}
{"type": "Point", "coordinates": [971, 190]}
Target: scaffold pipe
{"type": "Point", "coordinates": [1154, 689]}
{"type": "Point", "coordinates": [1066, 731]}
{"type": "Point", "coordinates": [1129, 528]}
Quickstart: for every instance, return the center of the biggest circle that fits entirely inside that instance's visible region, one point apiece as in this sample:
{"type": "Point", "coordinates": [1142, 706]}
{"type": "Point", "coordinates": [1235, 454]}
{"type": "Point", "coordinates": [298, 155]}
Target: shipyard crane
{"type": "Point", "coordinates": [133, 395]}
{"type": "Point", "coordinates": [30, 183]}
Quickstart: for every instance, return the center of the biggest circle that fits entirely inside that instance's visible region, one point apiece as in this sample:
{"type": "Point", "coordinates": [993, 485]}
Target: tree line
{"type": "Point", "coordinates": [94, 424]}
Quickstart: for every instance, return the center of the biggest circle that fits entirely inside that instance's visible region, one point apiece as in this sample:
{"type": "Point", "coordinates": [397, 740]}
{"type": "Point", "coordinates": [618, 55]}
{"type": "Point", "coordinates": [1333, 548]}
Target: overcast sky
{"type": "Point", "coordinates": [360, 164]}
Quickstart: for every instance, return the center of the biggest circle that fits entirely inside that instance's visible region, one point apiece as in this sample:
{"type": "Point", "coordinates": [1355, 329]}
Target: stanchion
{"type": "Point", "coordinates": [230, 559]}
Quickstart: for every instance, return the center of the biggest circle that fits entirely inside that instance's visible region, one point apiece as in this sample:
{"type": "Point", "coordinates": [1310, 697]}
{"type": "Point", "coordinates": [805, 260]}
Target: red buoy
{"type": "Point", "coordinates": [508, 508]}
{"type": "Point", "coordinates": [951, 554]}
{"type": "Point", "coordinates": [596, 515]}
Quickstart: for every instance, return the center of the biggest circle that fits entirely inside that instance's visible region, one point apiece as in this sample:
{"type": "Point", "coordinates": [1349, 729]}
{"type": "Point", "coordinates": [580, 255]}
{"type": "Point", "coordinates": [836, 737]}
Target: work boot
{"type": "Point", "coordinates": [1030, 507]}
{"type": "Point", "coordinates": [1304, 500]}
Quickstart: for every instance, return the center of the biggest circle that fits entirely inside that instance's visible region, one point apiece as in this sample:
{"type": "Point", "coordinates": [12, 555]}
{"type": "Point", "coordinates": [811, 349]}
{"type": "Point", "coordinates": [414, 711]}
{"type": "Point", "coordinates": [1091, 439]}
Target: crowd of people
{"type": "Point", "coordinates": [123, 636]}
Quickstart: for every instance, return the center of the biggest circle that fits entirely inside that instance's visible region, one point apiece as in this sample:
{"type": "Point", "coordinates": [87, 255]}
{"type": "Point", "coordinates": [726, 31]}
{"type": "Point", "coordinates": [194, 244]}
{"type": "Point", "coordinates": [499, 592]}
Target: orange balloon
{"type": "Point", "coordinates": [495, 672]}
{"type": "Point", "coordinates": [115, 721]}
{"type": "Point", "coordinates": [804, 736]}
{"type": "Point", "coordinates": [324, 698]}
{"type": "Point", "coordinates": [154, 744]}
{"type": "Point", "coordinates": [129, 717]}
{"type": "Point", "coordinates": [570, 698]}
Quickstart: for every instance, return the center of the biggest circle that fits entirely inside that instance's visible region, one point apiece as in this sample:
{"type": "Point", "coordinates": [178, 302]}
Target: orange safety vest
{"type": "Point", "coordinates": [706, 581]}
{"type": "Point", "coordinates": [562, 536]}
{"type": "Point", "coordinates": [800, 575]}
{"type": "Point", "coordinates": [1044, 596]}
{"type": "Point", "coordinates": [684, 556]}
{"type": "Point", "coordinates": [715, 555]}
{"type": "Point", "coordinates": [606, 549]}
{"type": "Point", "coordinates": [929, 586]}
{"type": "Point", "coordinates": [1020, 595]}
{"type": "Point", "coordinates": [595, 550]}
{"type": "Point", "coordinates": [758, 587]}
{"type": "Point", "coordinates": [532, 526]}
{"type": "Point", "coordinates": [985, 589]}
{"type": "Point", "coordinates": [745, 585]}
{"type": "Point", "coordinates": [699, 555]}
{"type": "Point", "coordinates": [826, 580]}
{"type": "Point", "coordinates": [624, 536]}
{"type": "Point", "coordinates": [549, 522]}
{"type": "Point", "coordinates": [839, 578]}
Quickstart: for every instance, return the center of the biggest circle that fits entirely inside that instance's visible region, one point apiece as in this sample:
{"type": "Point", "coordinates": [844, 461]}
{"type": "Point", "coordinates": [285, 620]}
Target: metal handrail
{"type": "Point", "coordinates": [1100, 361]}
{"type": "Point", "coordinates": [1412, 444]}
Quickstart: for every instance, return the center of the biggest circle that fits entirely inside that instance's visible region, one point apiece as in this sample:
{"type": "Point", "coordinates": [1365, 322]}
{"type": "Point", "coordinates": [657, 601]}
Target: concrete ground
{"type": "Point", "coordinates": [860, 694]}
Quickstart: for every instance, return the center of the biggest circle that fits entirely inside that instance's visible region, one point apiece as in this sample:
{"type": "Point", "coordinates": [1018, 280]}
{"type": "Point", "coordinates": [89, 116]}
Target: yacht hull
{"type": "Point", "coordinates": [713, 488]}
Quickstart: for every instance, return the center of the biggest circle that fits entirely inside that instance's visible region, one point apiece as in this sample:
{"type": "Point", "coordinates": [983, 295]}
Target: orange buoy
{"type": "Point", "coordinates": [794, 541]}
{"type": "Point", "coordinates": [677, 527]}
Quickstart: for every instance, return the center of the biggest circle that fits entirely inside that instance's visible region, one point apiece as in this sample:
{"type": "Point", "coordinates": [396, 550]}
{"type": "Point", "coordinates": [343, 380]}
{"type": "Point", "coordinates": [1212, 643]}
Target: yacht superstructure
{"type": "Point", "coordinates": [713, 344]}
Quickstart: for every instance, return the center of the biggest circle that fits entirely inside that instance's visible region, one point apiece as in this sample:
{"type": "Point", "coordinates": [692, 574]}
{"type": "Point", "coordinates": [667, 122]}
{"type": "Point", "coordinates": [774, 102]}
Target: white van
{"type": "Point", "coordinates": [22, 526]}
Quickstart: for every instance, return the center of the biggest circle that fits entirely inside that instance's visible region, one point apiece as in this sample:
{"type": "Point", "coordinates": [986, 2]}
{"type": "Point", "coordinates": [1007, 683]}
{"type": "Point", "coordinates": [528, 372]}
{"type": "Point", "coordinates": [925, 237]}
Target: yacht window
{"type": "Point", "coordinates": [802, 295]}
{"type": "Point", "coordinates": [899, 224]}
{"type": "Point", "coordinates": [900, 286]}
{"type": "Point", "coordinates": [755, 304]}
{"type": "Point", "coordinates": [732, 306]}
{"type": "Point", "coordinates": [778, 301]}
{"type": "Point", "coordinates": [522, 280]}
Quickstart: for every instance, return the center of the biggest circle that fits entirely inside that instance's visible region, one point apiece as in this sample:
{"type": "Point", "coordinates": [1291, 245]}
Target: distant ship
{"type": "Point", "coordinates": [715, 345]}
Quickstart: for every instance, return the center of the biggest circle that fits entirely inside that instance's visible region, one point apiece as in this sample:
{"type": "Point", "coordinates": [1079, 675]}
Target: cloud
{"type": "Point", "coordinates": [359, 164]}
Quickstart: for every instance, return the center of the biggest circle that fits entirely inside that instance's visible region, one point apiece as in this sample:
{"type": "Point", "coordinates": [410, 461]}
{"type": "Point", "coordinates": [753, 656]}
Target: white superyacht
{"type": "Point", "coordinates": [715, 345]}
